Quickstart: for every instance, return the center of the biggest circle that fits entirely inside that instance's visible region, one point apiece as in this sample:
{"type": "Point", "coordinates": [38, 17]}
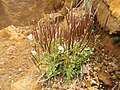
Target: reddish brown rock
{"type": "Point", "coordinates": [27, 82]}
{"type": "Point", "coordinates": [108, 15]}
{"type": "Point", "coordinates": [114, 7]}
{"type": "Point", "coordinates": [23, 12]}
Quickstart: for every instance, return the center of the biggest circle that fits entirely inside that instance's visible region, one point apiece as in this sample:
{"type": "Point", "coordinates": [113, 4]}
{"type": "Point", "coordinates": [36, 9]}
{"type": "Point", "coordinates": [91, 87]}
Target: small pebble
{"type": "Point", "coordinates": [20, 69]}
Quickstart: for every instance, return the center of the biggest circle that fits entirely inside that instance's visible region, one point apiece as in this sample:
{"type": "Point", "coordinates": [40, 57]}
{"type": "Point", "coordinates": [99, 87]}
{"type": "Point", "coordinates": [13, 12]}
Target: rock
{"type": "Point", "coordinates": [27, 82]}
{"type": "Point", "coordinates": [23, 12]}
{"type": "Point", "coordinates": [96, 68]}
{"type": "Point", "coordinates": [108, 20]}
{"type": "Point", "coordinates": [3, 82]}
{"type": "Point", "coordinates": [105, 77]}
{"type": "Point", "coordinates": [8, 33]}
{"type": "Point", "coordinates": [14, 33]}
{"type": "Point", "coordinates": [88, 82]}
{"type": "Point", "coordinates": [114, 7]}
{"type": "Point", "coordinates": [26, 12]}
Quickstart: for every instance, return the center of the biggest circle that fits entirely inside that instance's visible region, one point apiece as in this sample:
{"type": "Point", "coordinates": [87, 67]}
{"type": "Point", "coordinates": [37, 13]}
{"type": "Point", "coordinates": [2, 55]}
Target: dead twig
{"type": "Point", "coordinates": [116, 86]}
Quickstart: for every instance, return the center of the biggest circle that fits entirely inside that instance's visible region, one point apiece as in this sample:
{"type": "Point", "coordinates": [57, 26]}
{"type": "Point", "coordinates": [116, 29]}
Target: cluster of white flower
{"type": "Point", "coordinates": [60, 48]}
{"type": "Point", "coordinates": [30, 37]}
{"type": "Point", "coordinates": [33, 52]}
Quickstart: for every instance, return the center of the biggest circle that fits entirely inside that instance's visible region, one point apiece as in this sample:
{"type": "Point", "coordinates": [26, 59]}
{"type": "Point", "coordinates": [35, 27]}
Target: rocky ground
{"type": "Point", "coordinates": [14, 56]}
{"type": "Point", "coordinates": [101, 73]}
{"type": "Point", "coordinates": [18, 72]}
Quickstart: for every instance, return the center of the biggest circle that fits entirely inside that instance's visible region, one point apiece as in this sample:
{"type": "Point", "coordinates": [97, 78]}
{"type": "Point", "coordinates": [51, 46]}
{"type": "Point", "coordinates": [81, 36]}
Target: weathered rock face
{"type": "Point", "coordinates": [114, 6]}
{"type": "Point", "coordinates": [108, 15]}
{"type": "Point", "coordinates": [27, 82]}
{"type": "Point", "coordinates": [4, 21]}
{"type": "Point", "coordinates": [23, 12]}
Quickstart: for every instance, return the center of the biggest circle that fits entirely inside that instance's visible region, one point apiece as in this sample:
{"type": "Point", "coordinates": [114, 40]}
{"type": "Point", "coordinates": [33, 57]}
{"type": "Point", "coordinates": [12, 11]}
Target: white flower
{"type": "Point", "coordinates": [30, 37]}
{"type": "Point", "coordinates": [33, 52]}
{"type": "Point", "coordinates": [60, 48]}
{"type": "Point", "coordinates": [93, 81]}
